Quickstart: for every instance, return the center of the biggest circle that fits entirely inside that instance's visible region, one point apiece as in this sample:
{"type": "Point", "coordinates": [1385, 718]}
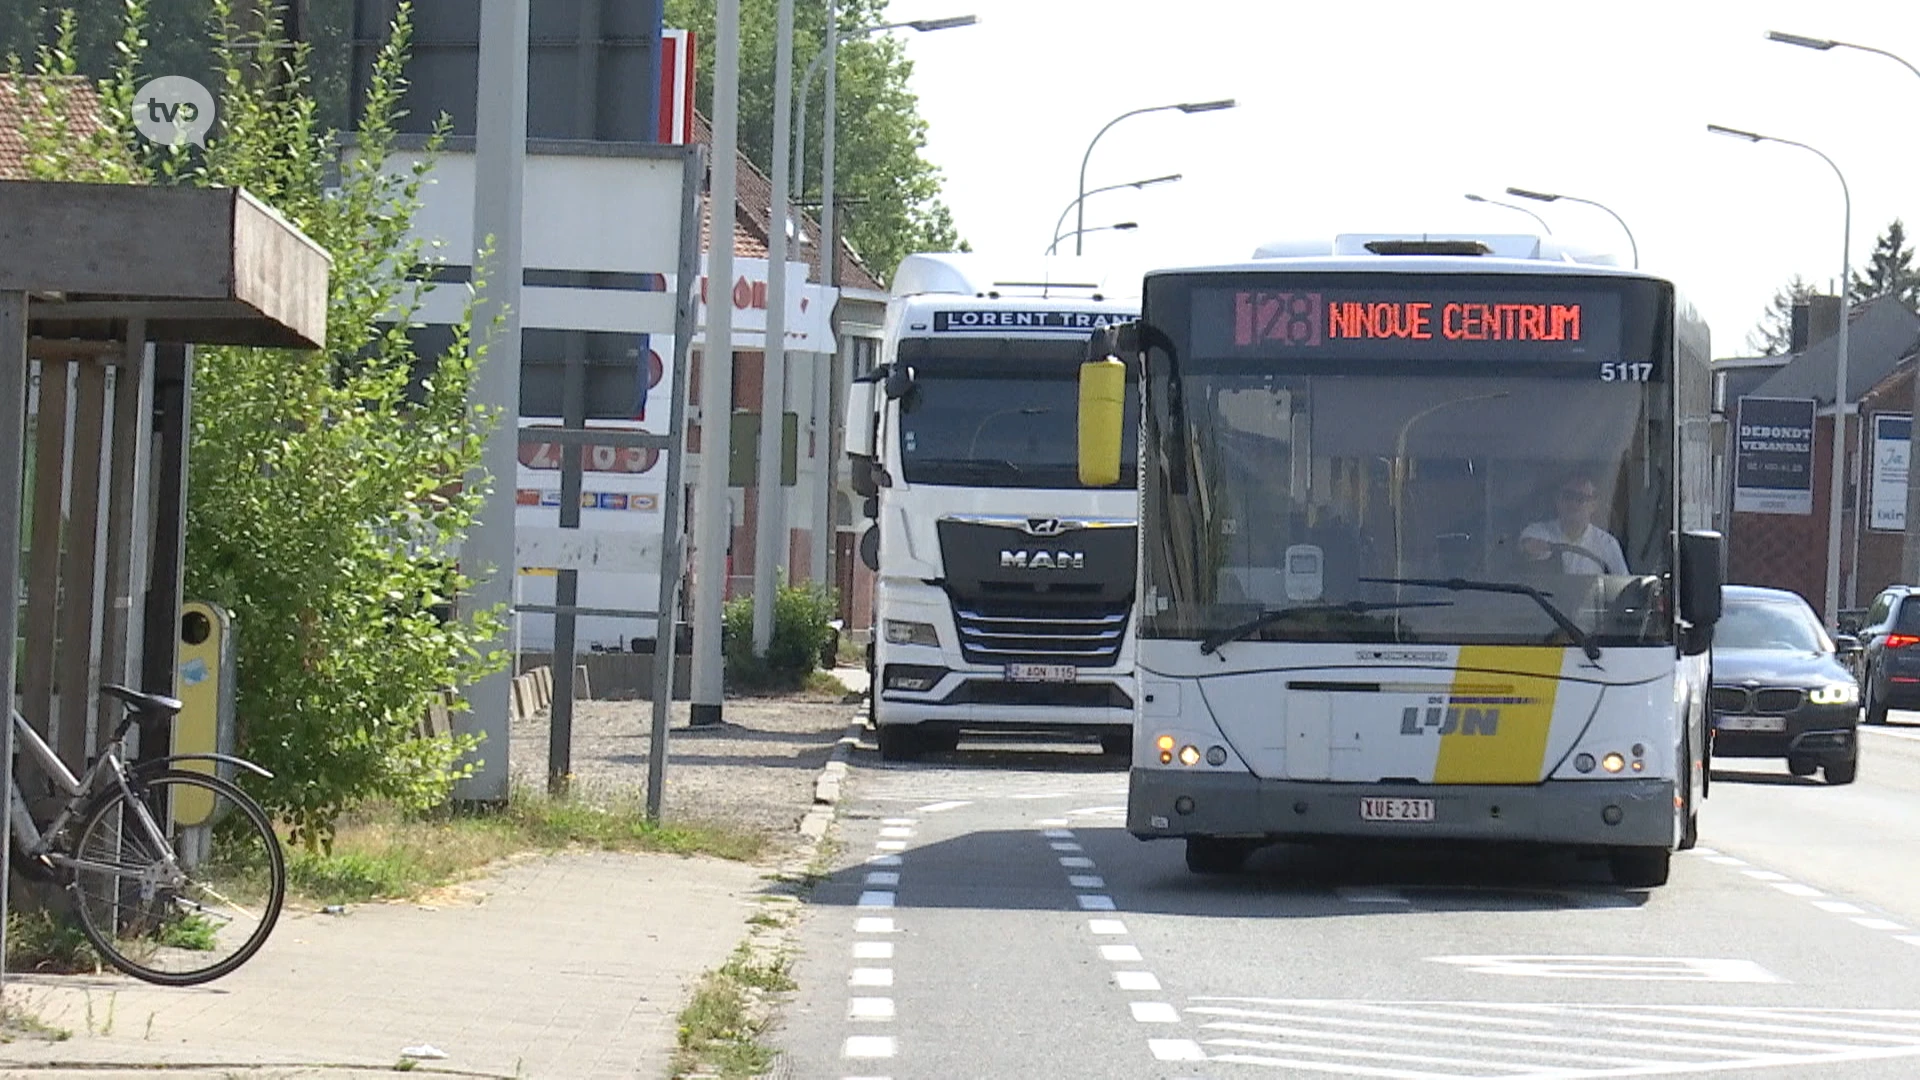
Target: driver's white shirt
{"type": "Point", "coordinates": [1595, 539]}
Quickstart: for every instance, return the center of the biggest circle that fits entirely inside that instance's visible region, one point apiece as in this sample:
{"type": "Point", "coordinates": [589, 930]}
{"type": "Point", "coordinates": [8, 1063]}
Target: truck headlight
{"type": "Point", "coordinates": [1835, 694]}
{"type": "Point", "coordinates": [901, 632]}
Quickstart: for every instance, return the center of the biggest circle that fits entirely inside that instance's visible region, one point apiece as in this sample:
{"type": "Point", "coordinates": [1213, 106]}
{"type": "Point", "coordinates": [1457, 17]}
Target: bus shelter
{"type": "Point", "coordinates": [104, 289]}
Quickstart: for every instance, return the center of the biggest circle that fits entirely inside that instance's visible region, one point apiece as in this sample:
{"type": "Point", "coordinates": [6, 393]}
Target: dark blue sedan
{"type": "Point", "coordinates": [1781, 686]}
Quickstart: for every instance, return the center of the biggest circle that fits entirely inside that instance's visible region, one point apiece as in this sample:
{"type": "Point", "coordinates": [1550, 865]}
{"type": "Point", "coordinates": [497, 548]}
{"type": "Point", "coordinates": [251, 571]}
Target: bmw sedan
{"type": "Point", "coordinates": [1781, 688]}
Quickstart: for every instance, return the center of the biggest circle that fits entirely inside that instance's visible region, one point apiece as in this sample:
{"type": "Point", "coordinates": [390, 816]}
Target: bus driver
{"type": "Point", "coordinates": [1584, 548]}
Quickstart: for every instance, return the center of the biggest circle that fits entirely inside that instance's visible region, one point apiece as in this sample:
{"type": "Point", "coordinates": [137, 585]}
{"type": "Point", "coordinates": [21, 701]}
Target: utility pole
{"type": "Point", "coordinates": [716, 376]}
{"type": "Point", "coordinates": [770, 527]}
{"type": "Point", "coordinates": [500, 155]}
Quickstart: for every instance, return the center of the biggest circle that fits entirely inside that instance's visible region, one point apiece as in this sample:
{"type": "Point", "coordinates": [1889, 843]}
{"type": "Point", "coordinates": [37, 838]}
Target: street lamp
{"type": "Point", "coordinates": [819, 62]}
{"type": "Point", "coordinates": [1149, 182]}
{"type": "Point", "coordinates": [1118, 226]}
{"type": "Point", "coordinates": [1840, 405]}
{"type": "Point", "coordinates": [1542, 196]}
{"type": "Point", "coordinates": [1080, 196]}
{"type": "Point", "coordinates": [1471, 197]}
{"type": "Point", "coordinates": [1910, 545]}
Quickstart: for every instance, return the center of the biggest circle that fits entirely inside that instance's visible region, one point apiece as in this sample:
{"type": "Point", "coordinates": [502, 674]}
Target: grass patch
{"type": "Point", "coordinates": [720, 1028]}
{"type": "Point", "coordinates": [18, 1020]}
{"type": "Point", "coordinates": [48, 942]}
{"type": "Point", "coordinates": [382, 855]}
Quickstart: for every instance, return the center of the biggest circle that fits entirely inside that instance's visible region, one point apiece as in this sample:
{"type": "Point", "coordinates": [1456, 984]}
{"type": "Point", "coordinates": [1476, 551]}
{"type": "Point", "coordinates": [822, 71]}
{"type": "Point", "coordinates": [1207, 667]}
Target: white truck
{"type": "Point", "coordinates": [1004, 592]}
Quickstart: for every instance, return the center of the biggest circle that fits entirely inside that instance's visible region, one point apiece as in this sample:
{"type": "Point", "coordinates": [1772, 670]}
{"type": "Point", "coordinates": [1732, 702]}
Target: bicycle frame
{"type": "Point", "coordinates": [34, 842]}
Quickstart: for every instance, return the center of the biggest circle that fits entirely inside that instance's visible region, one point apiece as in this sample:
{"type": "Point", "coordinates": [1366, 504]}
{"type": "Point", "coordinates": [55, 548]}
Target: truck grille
{"type": "Point", "coordinates": [1085, 635]}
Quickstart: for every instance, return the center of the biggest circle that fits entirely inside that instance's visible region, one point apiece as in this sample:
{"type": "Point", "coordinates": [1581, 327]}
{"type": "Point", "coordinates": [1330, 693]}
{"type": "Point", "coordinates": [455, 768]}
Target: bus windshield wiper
{"type": "Point", "coordinates": [1267, 618]}
{"type": "Point", "coordinates": [1559, 617]}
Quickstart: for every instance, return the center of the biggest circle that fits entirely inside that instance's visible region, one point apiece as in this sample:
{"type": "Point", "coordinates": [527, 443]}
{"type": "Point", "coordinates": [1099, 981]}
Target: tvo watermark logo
{"type": "Point", "coordinates": [173, 109]}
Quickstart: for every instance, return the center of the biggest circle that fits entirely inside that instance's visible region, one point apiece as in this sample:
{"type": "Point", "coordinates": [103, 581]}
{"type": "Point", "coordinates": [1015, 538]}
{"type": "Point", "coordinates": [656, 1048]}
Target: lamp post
{"type": "Point", "coordinates": [1840, 406]}
{"type": "Point", "coordinates": [1118, 226]}
{"type": "Point", "coordinates": [1542, 196]}
{"type": "Point", "coordinates": [770, 521]}
{"type": "Point", "coordinates": [1062, 220]}
{"type": "Point", "coordinates": [835, 36]}
{"type": "Point", "coordinates": [1471, 197]}
{"type": "Point", "coordinates": [1910, 544]}
{"type": "Point", "coordinates": [1080, 196]}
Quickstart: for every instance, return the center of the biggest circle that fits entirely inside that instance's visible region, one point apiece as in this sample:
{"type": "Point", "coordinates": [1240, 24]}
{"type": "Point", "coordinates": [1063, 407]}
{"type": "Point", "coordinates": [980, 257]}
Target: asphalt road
{"type": "Point", "coordinates": [989, 917]}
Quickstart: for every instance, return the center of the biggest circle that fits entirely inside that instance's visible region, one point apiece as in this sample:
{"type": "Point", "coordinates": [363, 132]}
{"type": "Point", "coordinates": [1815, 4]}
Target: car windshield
{"type": "Point", "coordinates": [1770, 625]}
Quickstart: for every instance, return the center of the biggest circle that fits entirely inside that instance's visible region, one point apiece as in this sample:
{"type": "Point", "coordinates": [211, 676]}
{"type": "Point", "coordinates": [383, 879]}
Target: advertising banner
{"type": "Point", "coordinates": [1773, 456]}
{"type": "Point", "coordinates": [1892, 449]}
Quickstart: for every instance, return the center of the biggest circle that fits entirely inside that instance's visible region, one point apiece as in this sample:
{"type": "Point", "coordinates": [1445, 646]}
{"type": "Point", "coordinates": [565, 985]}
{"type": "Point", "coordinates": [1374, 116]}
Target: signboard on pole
{"type": "Point", "coordinates": [1773, 456]}
{"type": "Point", "coordinates": [1892, 450]}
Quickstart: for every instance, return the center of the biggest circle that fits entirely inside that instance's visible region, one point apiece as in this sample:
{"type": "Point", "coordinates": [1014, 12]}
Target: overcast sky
{"type": "Point", "coordinates": [1368, 115]}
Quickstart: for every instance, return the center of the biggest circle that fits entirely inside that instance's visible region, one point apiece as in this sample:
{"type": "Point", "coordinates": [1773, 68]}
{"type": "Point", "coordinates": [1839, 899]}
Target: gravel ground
{"type": "Point", "coordinates": [756, 770]}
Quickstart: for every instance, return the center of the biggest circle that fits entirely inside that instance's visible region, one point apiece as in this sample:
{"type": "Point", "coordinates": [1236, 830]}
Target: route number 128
{"type": "Point", "coordinates": [1626, 372]}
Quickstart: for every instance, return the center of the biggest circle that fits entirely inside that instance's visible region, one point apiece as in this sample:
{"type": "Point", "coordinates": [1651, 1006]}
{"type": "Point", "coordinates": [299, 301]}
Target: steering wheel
{"type": "Point", "coordinates": [1556, 548]}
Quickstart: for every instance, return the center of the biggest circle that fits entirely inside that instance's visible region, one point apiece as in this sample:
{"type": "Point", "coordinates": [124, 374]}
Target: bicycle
{"type": "Point", "coordinates": [179, 904]}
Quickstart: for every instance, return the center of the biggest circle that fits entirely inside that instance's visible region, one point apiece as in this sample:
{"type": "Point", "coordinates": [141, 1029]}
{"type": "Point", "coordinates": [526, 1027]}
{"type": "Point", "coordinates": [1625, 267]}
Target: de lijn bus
{"type": "Point", "coordinates": [1004, 589]}
{"type": "Point", "coordinates": [1424, 549]}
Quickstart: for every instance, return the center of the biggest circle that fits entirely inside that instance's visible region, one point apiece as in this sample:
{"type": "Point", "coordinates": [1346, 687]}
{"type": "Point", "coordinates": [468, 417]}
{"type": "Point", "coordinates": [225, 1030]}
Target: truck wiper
{"type": "Point", "coordinates": [1559, 617]}
{"type": "Point", "coordinates": [1267, 618]}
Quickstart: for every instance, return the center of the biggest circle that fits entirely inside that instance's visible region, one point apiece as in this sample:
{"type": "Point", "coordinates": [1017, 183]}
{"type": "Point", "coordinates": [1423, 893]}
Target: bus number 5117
{"type": "Point", "coordinates": [1626, 372]}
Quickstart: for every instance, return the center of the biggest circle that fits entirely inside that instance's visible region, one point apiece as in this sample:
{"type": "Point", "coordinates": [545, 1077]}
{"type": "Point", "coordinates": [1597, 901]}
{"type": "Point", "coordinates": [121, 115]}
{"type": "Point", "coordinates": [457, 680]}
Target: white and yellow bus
{"type": "Point", "coordinates": [1423, 550]}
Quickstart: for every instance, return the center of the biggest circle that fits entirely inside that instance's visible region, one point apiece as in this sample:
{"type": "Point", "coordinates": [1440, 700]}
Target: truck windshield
{"type": "Point", "coordinates": [997, 414]}
{"type": "Point", "coordinates": [1290, 482]}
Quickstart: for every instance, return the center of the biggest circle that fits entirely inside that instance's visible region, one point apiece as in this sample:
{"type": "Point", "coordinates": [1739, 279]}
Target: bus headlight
{"type": "Point", "coordinates": [901, 632]}
{"type": "Point", "coordinates": [1189, 755]}
{"type": "Point", "coordinates": [1613, 762]}
{"type": "Point", "coordinates": [1835, 694]}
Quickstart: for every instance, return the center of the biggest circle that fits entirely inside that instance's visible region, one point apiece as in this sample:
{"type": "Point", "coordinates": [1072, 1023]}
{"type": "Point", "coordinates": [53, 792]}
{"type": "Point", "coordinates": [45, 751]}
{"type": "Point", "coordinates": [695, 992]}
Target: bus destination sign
{"type": "Point", "coordinates": [1405, 324]}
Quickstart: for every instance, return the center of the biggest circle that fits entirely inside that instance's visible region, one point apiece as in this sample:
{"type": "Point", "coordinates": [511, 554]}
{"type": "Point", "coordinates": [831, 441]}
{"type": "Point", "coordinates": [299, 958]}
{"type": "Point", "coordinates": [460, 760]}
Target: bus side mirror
{"type": "Point", "coordinates": [1703, 570]}
{"type": "Point", "coordinates": [859, 417]}
{"type": "Point", "coordinates": [899, 381]}
{"type": "Point", "coordinates": [1103, 397]}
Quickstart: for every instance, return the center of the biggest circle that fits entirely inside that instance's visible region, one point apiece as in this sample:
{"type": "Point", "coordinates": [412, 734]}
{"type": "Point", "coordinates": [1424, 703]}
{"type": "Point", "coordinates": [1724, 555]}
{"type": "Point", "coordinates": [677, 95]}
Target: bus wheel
{"type": "Point", "coordinates": [898, 742]}
{"type": "Point", "coordinates": [1213, 855]}
{"type": "Point", "coordinates": [1639, 868]}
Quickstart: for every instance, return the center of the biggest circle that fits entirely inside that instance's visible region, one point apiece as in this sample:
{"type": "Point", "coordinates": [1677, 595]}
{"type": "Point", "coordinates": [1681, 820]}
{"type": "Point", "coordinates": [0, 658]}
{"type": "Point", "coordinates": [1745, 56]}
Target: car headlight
{"type": "Point", "coordinates": [1835, 694]}
{"type": "Point", "coordinates": [901, 632]}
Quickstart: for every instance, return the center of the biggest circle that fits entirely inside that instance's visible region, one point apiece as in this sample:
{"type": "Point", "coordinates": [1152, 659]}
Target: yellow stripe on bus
{"type": "Point", "coordinates": [1514, 750]}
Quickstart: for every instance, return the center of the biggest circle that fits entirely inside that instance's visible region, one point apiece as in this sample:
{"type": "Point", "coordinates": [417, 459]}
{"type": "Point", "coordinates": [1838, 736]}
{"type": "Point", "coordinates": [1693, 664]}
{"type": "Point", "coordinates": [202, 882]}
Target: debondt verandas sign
{"type": "Point", "coordinates": [1773, 456]}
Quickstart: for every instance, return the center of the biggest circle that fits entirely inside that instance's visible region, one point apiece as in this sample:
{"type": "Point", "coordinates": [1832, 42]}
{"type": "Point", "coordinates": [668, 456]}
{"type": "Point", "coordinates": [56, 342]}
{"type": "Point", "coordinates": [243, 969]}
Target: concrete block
{"type": "Point", "coordinates": [582, 685]}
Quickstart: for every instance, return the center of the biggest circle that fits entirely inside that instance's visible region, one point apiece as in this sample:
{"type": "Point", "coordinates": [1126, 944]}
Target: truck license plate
{"type": "Point", "coordinates": [1042, 673]}
{"type": "Point", "coordinates": [1377, 809]}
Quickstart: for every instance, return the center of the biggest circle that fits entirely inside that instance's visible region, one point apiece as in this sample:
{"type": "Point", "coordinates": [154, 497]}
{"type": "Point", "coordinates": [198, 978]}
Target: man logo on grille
{"type": "Point", "coordinates": [1045, 527]}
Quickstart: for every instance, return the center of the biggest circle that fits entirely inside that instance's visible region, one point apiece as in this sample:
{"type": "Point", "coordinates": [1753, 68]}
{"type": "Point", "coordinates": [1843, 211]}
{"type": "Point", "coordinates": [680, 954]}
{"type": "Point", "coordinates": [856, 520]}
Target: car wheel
{"type": "Point", "coordinates": [899, 742]}
{"type": "Point", "coordinates": [1639, 868]}
{"type": "Point", "coordinates": [1802, 766]}
{"type": "Point", "coordinates": [1841, 772]}
{"type": "Point", "coordinates": [1876, 710]}
{"type": "Point", "coordinates": [1213, 855]}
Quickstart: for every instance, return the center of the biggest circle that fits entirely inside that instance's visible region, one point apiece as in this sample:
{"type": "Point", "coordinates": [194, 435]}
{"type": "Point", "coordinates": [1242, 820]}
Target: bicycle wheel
{"type": "Point", "coordinates": [185, 925]}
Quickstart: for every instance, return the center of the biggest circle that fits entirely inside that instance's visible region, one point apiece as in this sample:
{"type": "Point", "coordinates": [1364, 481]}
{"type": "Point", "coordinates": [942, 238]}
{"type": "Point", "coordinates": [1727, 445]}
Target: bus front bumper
{"type": "Point", "coordinates": [1164, 803]}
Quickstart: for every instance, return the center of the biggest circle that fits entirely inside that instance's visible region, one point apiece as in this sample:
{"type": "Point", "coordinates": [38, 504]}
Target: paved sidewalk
{"type": "Point", "coordinates": [568, 966]}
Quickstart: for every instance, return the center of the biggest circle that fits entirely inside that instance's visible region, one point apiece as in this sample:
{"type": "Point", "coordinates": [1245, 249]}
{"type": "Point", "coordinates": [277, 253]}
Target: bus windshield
{"type": "Point", "coordinates": [996, 414]}
{"type": "Point", "coordinates": [1397, 495]}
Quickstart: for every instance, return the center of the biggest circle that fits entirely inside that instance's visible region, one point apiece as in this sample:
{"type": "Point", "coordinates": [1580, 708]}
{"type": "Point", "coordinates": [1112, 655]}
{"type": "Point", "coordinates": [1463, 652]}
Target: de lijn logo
{"type": "Point", "coordinates": [173, 109]}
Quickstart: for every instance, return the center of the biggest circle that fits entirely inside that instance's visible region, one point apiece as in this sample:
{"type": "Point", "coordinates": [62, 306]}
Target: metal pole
{"type": "Point", "coordinates": [825, 366]}
{"type": "Point", "coordinates": [566, 583]}
{"type": "Point", "coordinates": [770, 499]}
{"type": "Point", "coordinates": [1080, 195]}
{"type": "Point", "coordinates": [716, 375]}
{"type": "Point", "coordinates": [500, 152]}
{"type": "Point", "coordinates": [1631, 244]}
{"type": "Point", "coordinates": [666, 628]}
{"type": "Point", "coordinates": [13, 436]}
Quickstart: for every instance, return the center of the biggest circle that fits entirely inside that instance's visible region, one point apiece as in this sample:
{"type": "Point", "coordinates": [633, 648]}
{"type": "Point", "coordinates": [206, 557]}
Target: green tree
{"type": "Point", "coordinates": [889, 193]}
{"type": "Point", "coordinates": [1774, 334]}
{"type": "Point", "coordinates": [1889, 271]}
{"type": "Point", "coordinates": [324, 485]}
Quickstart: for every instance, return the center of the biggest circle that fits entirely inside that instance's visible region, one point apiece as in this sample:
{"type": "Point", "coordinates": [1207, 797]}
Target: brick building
{"type": "Point", "coordinates": [1789, 551]}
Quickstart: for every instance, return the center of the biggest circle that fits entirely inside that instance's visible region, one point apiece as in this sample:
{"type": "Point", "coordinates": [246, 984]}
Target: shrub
{"type": "Point", "coordinates": [801, 629]}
